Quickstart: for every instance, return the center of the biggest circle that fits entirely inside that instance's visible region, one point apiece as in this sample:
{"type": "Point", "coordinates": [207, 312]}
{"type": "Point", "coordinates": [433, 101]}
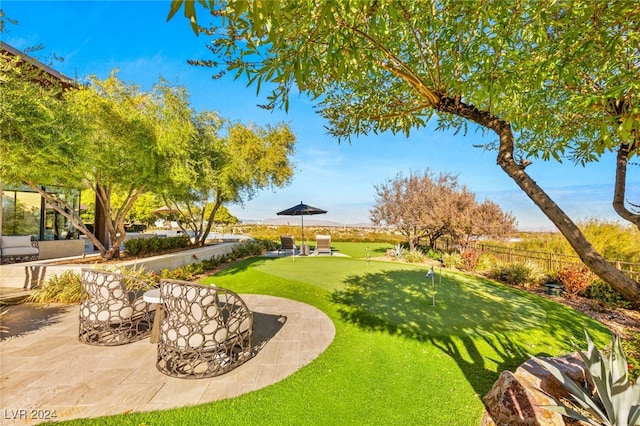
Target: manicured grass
{"type": "Point", "coordinates": [396, 358]}
{"type": "Point", "coordinates": [359, 250]}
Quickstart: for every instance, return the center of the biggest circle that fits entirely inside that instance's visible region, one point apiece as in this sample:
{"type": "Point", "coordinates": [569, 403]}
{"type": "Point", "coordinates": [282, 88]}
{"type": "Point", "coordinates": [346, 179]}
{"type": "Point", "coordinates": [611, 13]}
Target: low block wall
{"type": "Point", "coordinates": [30, 275]}
{"type": "Point", "coordinates": [60, 248]}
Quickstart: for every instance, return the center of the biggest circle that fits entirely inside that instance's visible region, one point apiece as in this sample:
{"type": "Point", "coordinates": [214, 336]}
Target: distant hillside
{"type": "Point", "coordinates": [295, 220]}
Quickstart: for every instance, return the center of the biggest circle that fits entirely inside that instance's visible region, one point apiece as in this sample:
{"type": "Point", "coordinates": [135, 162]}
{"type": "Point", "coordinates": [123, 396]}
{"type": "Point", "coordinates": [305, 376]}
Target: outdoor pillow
{"type": "Point", "coordinates": [15, 241]}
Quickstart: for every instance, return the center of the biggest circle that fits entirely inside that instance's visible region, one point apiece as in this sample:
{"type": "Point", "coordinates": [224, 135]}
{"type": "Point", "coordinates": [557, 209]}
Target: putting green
{"type": "Point", "coordinates": [399, 297]}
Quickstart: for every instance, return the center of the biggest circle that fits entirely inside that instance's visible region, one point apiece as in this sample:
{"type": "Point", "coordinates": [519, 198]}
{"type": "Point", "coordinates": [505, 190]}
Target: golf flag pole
{"type": "Point", "coordinates": [430, 274]}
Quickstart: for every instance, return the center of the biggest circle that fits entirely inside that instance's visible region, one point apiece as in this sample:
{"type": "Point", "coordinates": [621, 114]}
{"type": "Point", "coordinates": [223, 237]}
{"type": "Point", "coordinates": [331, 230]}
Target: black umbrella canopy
{"type": "Point", "coordinates": [301, 210]}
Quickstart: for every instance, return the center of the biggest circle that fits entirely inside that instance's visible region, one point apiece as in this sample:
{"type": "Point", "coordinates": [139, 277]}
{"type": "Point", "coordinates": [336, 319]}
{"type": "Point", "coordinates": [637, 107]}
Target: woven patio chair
{"type": "Point", "coordinates": [205, 331]}
{"type": "Point", "coordinates": [111, 315]}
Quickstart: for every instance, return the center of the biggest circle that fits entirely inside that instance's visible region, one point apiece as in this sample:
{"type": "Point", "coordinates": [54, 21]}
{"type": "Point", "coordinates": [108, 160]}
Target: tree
{"type": "Point", "coordinates": [390, 66]}
{"type": "Point", "coordinates": [586, 99]}
{"type": "Point", "coordinates": [229, 168]}
{"type": "Point", "coordinates": [486, 219]}
{"type": "Point", "coordinates": [107, 136]}
{"type": "Point", "coordinates": [432, 207]}
{"type": "Point", "coordinates": [142, 210]}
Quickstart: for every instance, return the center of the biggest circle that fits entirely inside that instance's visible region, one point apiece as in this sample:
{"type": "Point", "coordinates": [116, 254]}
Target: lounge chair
{"type": "Point", "coordinates": [323, 245]}
{"type": "Point", "coordinates": [205, 331]}
{"type": "Point", "coordinates": [110, 314]}
{"type": "Point", "coordinates": [287, 243]}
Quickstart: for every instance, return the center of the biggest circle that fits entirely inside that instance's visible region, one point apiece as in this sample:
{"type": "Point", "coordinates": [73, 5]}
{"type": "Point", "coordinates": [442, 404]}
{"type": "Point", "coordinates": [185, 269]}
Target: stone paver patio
{"type": "Point", "coordinates": [48, 370]}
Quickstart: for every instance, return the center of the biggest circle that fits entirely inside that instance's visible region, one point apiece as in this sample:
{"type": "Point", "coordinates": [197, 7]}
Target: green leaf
{"type": "Point", "coordinates": [175, 6]}
{"type": "Point", "coordinates": [568, 412]}
{"type": "Point", "coordinates": [580, 396]}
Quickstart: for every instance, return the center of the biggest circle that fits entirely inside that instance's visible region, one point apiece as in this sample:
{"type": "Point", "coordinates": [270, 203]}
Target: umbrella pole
{"type": "Point", "coordinates": [302, 246]}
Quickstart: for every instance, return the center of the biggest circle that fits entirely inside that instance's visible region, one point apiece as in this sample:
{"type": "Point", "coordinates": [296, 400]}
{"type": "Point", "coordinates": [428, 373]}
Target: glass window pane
{"type": "Point", "coordinates": [20, 213]}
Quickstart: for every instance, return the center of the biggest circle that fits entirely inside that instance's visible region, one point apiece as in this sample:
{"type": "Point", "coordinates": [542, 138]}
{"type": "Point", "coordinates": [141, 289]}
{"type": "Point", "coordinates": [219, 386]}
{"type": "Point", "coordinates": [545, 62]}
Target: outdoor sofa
{"type": "Point", "coordinates": [18, 248]}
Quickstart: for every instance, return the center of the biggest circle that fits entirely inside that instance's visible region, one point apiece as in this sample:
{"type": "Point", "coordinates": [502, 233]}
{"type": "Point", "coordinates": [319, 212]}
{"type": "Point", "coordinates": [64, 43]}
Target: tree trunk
{"type": "Point", "coordinates": [207, 229]}
{"type": "Point", "coordinates": [587, 253]}
{"type": "Point", "coordinates": [117, 233]}
{"type": "Point", "coordinates": [621, 186]}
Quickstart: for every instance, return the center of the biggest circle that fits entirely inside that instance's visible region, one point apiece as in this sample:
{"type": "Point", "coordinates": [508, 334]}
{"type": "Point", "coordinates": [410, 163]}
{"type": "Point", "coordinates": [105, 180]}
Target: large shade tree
{"type": "Point", "coordinates": [227, 164]}
{"type": "Point", "coordinates": [387, 65]}
{"type": "Point", "coordinates": [105, 136]}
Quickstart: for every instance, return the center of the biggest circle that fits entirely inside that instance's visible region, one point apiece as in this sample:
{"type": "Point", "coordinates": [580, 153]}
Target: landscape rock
{"type": "Point", "coordinates": [518, 398]}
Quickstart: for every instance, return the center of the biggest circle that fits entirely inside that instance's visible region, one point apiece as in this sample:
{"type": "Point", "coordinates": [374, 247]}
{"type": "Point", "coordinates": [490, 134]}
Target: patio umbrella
{"type": "Point", "coordinates": [301, 210]}
{"type": "Point", "coordinates": [166, 211]}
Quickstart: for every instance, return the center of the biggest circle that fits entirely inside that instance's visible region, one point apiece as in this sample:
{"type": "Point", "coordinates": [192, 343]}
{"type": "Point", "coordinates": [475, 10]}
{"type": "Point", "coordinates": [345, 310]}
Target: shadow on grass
{"type": "Point", "coordinates": [467, 318]}
{"type": "Point", "coordinates": [379, 250]}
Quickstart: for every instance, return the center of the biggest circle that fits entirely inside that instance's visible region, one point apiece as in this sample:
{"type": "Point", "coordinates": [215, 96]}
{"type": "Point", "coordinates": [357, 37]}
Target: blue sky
{"type": "Point", "coordinates": [94, 37]}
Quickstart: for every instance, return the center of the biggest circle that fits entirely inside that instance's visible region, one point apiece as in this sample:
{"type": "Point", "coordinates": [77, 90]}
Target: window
{"type": "Point", "coordinates": [24, 212]}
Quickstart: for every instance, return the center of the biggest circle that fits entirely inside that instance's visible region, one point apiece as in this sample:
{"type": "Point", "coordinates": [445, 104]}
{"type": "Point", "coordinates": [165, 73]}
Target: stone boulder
{"type": "Point", "coordinates": [518, 398]}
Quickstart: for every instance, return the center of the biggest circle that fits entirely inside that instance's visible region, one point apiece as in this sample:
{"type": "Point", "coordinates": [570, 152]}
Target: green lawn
{"type": "Point", "coordinates": [396, 358]}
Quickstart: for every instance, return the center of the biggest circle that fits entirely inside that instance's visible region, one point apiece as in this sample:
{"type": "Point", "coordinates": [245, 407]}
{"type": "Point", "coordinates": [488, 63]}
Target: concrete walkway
{"type": "Point", "coordinates": [45, 369]}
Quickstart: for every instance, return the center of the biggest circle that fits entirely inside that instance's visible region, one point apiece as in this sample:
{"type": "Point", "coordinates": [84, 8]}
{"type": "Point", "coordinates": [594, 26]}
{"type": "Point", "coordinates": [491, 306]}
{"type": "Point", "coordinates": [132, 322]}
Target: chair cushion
{"type": "Point", "coordinates": [15, 241]}
{"type": "Point", "coordinates": [19, 251]}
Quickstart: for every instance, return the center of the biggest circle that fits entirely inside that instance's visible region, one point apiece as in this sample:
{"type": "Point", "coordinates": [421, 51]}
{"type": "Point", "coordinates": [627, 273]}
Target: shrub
{"type": "Point", "coordinates": [269, 245]}
{"type": "Point", "coordinates": [451, 260]}
{"type": "Point", "coordinates": [432, 253]}
{"type": "Point", "coordinates": [64, 288]}
{"type": "Point", "coordinates": [475, 260]}
{"type": "Point", "coordinates": [134, 246]}
{"type": "Point", "coordinates": [148, 279]}
{"type": "Point", "coordinates": [469, 259]}
{"type": "Point", "coordinates": [631, 348]}
{"type": "Point", "coordinates": [600, 291]}
{"type": "Point", "coordinates": [525, 274]}
{"type": "Point", "coordinates": [185, 273]}
{"type": "Point", "coordinates": [575, 278]}
{"type": "Point", "coordinates": [250, 248]}
{"type": "Point", "coordinates": [415, 256]}
{"type": "Point", "coordinates": [485, 263]}
{"type": "Point", "coordinates": [138, 246]}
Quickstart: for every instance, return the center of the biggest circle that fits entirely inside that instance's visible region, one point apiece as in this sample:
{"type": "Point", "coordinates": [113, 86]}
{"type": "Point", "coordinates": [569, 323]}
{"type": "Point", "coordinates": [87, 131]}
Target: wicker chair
{"type": "Point", "coordinates": [205, 331]}
{"type": "Point", "coordinates": [111, 315]}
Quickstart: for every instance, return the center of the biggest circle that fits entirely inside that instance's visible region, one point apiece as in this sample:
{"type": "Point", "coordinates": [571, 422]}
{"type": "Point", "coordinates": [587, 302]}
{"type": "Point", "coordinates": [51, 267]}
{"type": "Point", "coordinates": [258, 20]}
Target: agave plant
{"type": "Point", "coordinates": [614, 401]}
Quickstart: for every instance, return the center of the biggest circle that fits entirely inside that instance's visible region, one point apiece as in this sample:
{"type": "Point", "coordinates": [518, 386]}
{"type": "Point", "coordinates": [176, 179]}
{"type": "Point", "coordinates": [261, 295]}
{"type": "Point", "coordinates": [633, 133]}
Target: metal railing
{"type": "Point", "coordinates": [551, 262]}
